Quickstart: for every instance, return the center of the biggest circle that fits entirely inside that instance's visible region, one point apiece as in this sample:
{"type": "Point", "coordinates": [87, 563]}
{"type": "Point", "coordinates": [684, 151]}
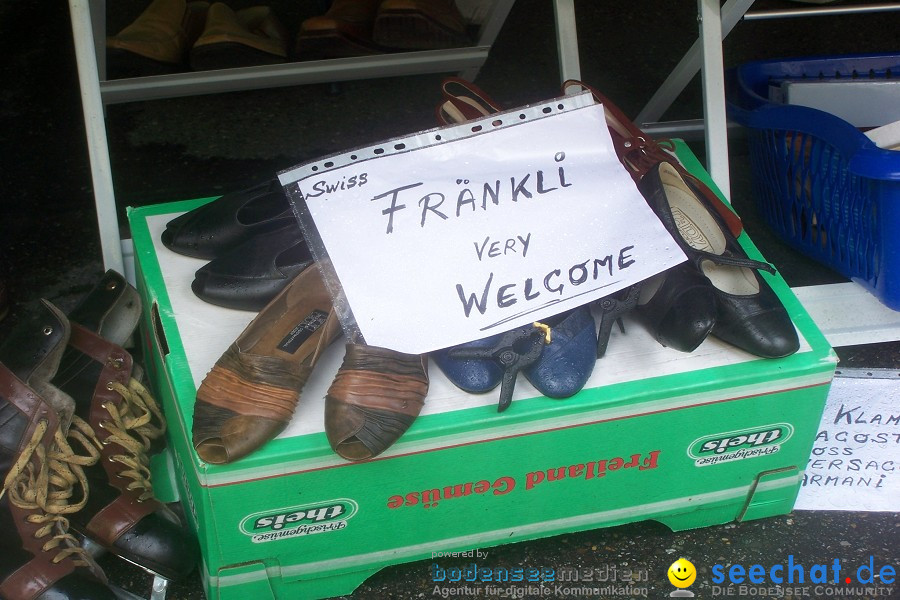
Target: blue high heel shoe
{"type": "Point", "coordinates": [568, 360]}
{"type": "Point", "coordinates": [556, 356]}
{"type": "Point", "coordinates": [473, 375]}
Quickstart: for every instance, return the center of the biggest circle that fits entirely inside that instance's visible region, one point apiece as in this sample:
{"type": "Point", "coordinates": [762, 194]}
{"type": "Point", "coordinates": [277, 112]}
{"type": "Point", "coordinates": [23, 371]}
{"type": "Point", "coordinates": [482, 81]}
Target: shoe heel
{"type": "Point", "coordinates": [612, 308]}
{"type": "Point", "coordinates": [681, 310]}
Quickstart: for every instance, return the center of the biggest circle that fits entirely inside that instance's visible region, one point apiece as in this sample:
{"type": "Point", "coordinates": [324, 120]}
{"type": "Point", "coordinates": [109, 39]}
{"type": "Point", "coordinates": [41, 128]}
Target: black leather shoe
{"type": "Point", "coordinates": [253, 273]}
{"type": "Point", "coordinates": [679, 307]}
{"type": "Point", "coordinates": [748, 313]}
{"type": "Point", "coordinates": [210, 230]}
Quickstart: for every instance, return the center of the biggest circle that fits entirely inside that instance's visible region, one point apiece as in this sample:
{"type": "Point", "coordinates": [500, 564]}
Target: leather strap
{"type": "Point", "coordinates": [224, 388]}
{"type": "Point", "coordinates": [35, 577]}
{"type": "Point", "coordinates": [118, 516]}
{"type": "Point", "coordinates": [380, 378]}
{"type": "Point", "coordinates": [463, 101]}
{"type": "Point", "coordinates": [639, 152]}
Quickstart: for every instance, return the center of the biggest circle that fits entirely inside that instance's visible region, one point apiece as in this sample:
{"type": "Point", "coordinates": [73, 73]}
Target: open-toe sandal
{"type": "Point", "coordinates": [250, 394]}
{"type": "Point", "coordinates": [374, 398]}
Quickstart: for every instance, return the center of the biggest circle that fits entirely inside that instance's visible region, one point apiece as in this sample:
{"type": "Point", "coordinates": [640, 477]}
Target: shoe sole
{"type": "Point", "coordinates": [230, 55]}
{"type": "Point", "coordinates": [122, 64]}
{"type": "Point", "coordinates": [332, 44]}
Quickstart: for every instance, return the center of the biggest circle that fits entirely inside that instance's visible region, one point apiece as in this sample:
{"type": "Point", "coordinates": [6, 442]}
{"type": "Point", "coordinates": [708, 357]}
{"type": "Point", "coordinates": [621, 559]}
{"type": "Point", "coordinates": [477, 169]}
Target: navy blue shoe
{"type": "Point", "coordinates": [473, 375]}
{"type": "Point", "coordinates": [568, 361]}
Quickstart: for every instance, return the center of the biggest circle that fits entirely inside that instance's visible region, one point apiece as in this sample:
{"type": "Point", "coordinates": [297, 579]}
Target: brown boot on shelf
{"type": "Point", "coordinates": [246, 38]}
{"type": "Point", "coordinates": [157, 41]}
{"type": "Point", "coordinates": [344, 31]}
{"type": "Point", "coordinates": [419, 25]}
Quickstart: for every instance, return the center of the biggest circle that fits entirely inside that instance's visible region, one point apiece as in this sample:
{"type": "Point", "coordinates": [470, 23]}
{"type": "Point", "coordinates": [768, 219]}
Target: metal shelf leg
{"type": "Point", "coordinates": [713, 76]}
{"type": "Point", "coordinates": [567, 39]}
{"type": "Point", "coordinates": [95, 128]}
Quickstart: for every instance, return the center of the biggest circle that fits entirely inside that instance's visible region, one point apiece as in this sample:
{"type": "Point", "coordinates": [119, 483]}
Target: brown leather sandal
{"type": "Point", "coordinates": [250, 394]}
{"type": "Point", "coordinates": [375, 397]}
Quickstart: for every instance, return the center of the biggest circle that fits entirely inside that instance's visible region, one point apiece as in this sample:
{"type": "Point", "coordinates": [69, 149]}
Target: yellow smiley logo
{"type": "Point", "coordinates": [682, 573]}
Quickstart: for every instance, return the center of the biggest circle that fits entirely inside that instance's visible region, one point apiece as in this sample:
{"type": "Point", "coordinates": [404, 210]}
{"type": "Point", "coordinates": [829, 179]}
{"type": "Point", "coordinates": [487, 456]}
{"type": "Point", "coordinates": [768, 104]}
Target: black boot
{"type": "Point", "coordinates": [112, 310]}
{"type": "Point", "coordinates": [121, 515]}
{"type": "Point", "coordinates": [43, 480]}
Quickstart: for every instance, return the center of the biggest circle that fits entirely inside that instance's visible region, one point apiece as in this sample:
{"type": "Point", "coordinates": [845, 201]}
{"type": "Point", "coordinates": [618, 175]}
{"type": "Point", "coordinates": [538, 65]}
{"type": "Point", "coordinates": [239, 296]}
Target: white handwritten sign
{"type": "Point", "coordinates": [458, 233]}
{"type": "Point", "coordinates": [854, 464]}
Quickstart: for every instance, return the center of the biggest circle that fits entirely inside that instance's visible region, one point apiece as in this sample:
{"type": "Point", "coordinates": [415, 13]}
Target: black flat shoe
{"type": "Point", "coordinates": [748, 313]}
{"type": "Point", "coordinates": [250, 275]}
{"type": "Point", "coordinates": [210, 230]}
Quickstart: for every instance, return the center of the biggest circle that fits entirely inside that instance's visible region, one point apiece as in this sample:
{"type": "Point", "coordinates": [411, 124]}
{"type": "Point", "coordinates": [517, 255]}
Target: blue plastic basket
{"type": "Point", "coordinates": [820, 183]}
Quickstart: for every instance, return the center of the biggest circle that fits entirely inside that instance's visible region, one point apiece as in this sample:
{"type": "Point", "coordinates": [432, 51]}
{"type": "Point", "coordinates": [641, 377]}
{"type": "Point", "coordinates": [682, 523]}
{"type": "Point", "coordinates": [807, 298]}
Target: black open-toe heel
{"type": "Point", "coordinates": [748, 313]}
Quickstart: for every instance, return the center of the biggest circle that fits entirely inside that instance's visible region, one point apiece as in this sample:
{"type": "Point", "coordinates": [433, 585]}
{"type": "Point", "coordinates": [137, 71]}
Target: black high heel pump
{"type": "Point", "coordinates": [748, 313]}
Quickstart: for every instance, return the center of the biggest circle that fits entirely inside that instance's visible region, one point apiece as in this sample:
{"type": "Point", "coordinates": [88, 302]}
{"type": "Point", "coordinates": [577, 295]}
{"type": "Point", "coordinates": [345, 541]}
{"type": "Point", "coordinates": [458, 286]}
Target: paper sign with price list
{"type": "Point", "coordinates": [854, 463]}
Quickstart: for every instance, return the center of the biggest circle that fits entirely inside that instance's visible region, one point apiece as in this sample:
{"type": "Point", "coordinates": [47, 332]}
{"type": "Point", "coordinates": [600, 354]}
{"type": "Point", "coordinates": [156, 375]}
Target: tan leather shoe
{"type": "Point", "coordinates": [419, 25]}
{"type": "Point", "coordinates": [249, 37]}
{"type": "Point", "coordinates": [159, 37]}
{"type": "Point", "coordinates": [375, 397]}
{"type": "Point", "coordinates": [250, 394]}
{"type": "Point", "coordinates": [344, 31]}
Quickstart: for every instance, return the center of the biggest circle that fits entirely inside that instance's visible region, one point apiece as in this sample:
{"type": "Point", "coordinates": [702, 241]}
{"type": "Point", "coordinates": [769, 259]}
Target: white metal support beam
{"type": "Point", "coordinates": [95, 128]}
{"type": "Point", "coordinates": [713, 76]}
{"type": "Point", "coordinates": [566, 39]}
{"type": "Point", "coordinates": [684, 71]}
